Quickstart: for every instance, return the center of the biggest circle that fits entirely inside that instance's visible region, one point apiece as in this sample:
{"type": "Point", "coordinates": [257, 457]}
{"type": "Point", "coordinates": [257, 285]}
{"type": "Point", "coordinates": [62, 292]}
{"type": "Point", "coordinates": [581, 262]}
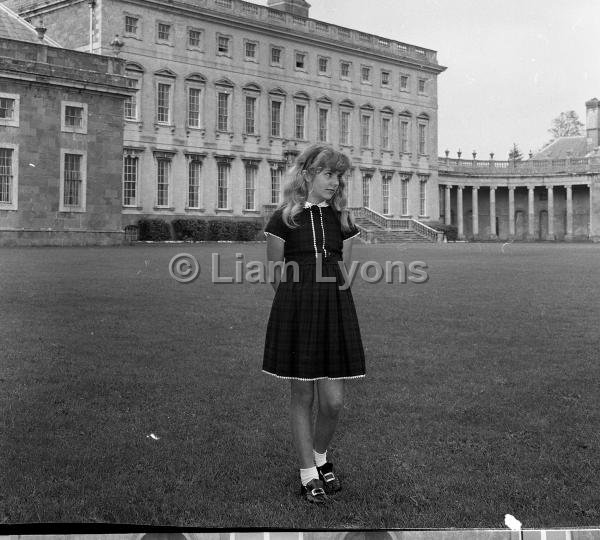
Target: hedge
{"type": "Point", "coordinates": [450, 231]}
{"type": "Point", "coordinates": [198, 229]}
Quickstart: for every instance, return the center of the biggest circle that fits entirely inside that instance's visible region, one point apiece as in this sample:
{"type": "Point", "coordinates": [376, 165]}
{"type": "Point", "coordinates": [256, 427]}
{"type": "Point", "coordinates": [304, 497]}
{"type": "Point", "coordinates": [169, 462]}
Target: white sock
{"type": "Point", "coordinates": [306, 475]}
{"type": "Point", "coordinates": [320, 459]}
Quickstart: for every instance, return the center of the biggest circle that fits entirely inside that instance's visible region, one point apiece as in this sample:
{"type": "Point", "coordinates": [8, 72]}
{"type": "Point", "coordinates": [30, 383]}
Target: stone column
{"type": "Point", "coordinates": [569, 235]}
{"type": "Point", "coordinates": [448, 211]}
{"type": "Point", "coordinates": [550, 214]}
{"type": "Point", "coordinates": [475, 207]}
{"type": "Point", "coordinates": [531, 214]}
{"type": "Point", "coordinates": [493, 231]}
{"type": "Point", "coordinates": [511, 212]}
{"type": "Point", "coordinates": [590, 222]}
{"type": "Point", "coordinates": [459, 212]}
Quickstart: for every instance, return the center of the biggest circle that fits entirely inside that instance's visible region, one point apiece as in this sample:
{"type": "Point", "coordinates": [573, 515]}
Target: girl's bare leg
{"type": "Point", "coordinates": [331, 401]}
{"type": "Point", "coordinates": [302, 398]}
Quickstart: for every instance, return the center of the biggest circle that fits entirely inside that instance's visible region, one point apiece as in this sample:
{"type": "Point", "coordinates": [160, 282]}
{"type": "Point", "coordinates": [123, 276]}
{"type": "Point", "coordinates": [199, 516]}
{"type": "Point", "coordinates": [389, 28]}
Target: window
{"type": "Point", "coordinates": [9, 110]}
{"type": "Point", "coordinates": [250, 199]}
{"type": "Point", "coordinates": [300, 60]}
{"type": "Point", "coordinates": [130, 180]}
{"type": "Point", "coordinates": [130, 105]}
{"type": "Point", "coordinates": [194, 38]}
{"type": "Point", "coordinates": [385, 78]}
{"type": "Point", "coordinates": [223, 45]}
{"type": "Point", "coordinates": [386, 179]}
{"type": "Point", "coordinates": [276, 173]}
{"type": "Point", "coordinates": [163, 178]}
{"type": "Point", "coordinates": [222, 184]}
{"type": "Point", "coordinates": [323, 124]}
{"type": "Point", "coordinates": [7, 181]}
{"type": "Point", "coordinates": [421, 87]}
{"type": "Point", "coordinates": [72, 186]}
{"type": "Point", "coordinates": [250, 50]}
{"type": "Point", "coordinates": [275, 118]}
{"type": "Point", "coordinates": [422, 139]}
{"type": "Point", "coordinates": [365, 74]}
{"type": "Point", "coordinates": [422, 195]}
{"type": "Point", "coordinates": [163, 103]}
{"type": "Point", "coordinates": [131, 24]}
{"type": "Point", "coordinates": [385, 132]}
{"type": "Point", "coordinates": [74, 117]}
{"type": "Point", "coordinates": [250, 115]}
{"type": "Point", "coordinates": [345, 70]}
{"type": "Point", "coordinates": [276, 53]}
{"type": "Point", "coordinates": [222, 111]}
{"type": "Point", "coordinates": [404, 146]}
{"type": "Point", "coordinates": [365, 130]}
{"type": "Point", "coordinates": [404, 179]}
{"type": "Point", "coordinates": [300, 122]}
{"type": "Point", "coordinates": [194, 168]}
{"type": "Point", "coordinates": [345, 127]}
{"type": "Point", "coordinates": [194, 108]}
{"type": "Point", "coordinates": [323, 65]}
{"type": "Point", "coordinates": [404, 82]}
{"type": "Point", "coordinates": [164, 31]}
{"type": "Point", "coordinates": [366, 189]}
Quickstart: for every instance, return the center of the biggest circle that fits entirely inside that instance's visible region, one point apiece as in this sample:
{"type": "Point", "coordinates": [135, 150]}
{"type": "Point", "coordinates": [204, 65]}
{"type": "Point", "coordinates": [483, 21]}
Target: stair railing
{"type": "Point", "coordinates": [425, 230]}
{"type": "Point", "coordinates": [381, 220]}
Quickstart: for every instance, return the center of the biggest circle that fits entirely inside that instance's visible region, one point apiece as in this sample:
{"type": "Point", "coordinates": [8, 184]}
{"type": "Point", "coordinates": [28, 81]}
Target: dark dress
{"type": "Point", "coordinates": [313, 330]}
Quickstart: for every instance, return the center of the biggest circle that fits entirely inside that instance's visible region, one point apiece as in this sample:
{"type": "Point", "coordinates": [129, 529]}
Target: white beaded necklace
{"type": "Point", "coordinates": [312, 224]}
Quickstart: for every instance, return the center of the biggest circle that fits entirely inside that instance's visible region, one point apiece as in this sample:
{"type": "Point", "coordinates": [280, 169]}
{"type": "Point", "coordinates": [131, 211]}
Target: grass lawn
{"type": "Point", "coordinates": [481, 396]}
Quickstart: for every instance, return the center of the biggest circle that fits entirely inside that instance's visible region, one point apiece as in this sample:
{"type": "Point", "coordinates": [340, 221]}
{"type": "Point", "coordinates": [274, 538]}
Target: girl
{"type": "Point", "coordinates": [313, 338]}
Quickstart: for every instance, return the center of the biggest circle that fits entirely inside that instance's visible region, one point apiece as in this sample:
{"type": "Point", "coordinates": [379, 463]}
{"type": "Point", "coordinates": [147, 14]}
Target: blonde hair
{"type": "Point", "coordinates": [313, 160]}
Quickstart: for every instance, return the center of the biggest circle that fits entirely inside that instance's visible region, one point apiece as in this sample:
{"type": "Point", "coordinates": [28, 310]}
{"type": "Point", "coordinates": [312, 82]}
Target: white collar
{"type": "Point", "coordinates": [322, 204]}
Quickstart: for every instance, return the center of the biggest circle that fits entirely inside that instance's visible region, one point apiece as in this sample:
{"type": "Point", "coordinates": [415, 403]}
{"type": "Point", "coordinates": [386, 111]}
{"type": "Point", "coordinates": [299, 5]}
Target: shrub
{"type": "Point", "coordinates": [247, 230]}
{"type": "Point", "coordinates": [154, 229]}
{"type": "Point", "coordinates": [190, 229]}
{"type": "Point", "coordinates": [450, 231]}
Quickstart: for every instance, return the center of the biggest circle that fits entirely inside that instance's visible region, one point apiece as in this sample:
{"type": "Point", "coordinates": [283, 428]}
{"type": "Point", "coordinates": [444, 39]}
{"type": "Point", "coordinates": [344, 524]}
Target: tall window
{"type": "Point", "coordinates": [422, 195]}
{"type": "Point", "coordinates": [130, 105]}
{"type": "Point", "coordinates": [365, 74]}
{"type": "Point", "coordinates": [194, 168]}
{"type": "Point", "coordinates": [194, 38]}
{"type": "Point", "coordinates": [131, 24]}
{"type": "Point", "coordinates": [323, 65]}
{"type": "Point", "coordinates": [385, 133]}
{"type": "Point", "coordinates": [6, 175]}
{"type": "Point", "coordinates": [275, 118]}
{"type": "Point", "coordinates": [276, 173]}
{"type": "Point", "coordinates": [421, 86]}
{"type": "Point", "coordinates": [404, 194]}
{"type": "Point", "coordinates": [276, 56]}
{"type": "Point", "coordinates": [130, 180]}
{"type": "Point", "coordinates": [164, 31]}
{"type": "Point", "coordinates": [194, 95]}
{"type": "Point", "coordinates": [300, 60]}
{"type": "Point", "coordinates": [300, 121]}
{"type": "Point", "coordinates": [404, 82]}
{"type": "Point", "coordinates": [250, 115]}
{"type": "Point", "coordinates": [404, 146]}
{"type": "Point", "coordinates": [72, 180]}
{"type": "Point", "coordinates": [222, 184]}
{"type": "Point", "coordinates": [323, 124]}
{"type": "Point", "coordinates": [422, 139]}
{"type": "Point", "coordinates": [385, 192]}
{"type": "Point", "coordinates": [223, 45]}
{"type": "Point", "coordinates": [345, 127]}
{"type": "Point", "coordinates": [163, 176]}
{"type": "Point", "coordinates": [250, 199]}
{"type": "Point", "coordinates": [385, 78]}
{"type": "Point", "coordinates": [74, 117]}
{"type": "Point", "coordinates": [366, 189]}
{"type": "Point", "coordinates": [345, 70]}
{"type": "Point", "coordinates": [250, 50]}
{"type": "Point", "coordinates": [223, 111]}
{"type": "Point", "coordinates": [365, 130]}
{"type": "Point", "coordinates": [163, 112]}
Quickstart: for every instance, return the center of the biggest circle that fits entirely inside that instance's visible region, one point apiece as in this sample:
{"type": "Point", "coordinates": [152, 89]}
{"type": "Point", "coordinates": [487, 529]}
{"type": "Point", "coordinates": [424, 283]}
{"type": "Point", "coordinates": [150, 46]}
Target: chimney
{"type": "Point", "coordinates": [592, 124]}
{"type": "Point", "coordinates": [295, 7]}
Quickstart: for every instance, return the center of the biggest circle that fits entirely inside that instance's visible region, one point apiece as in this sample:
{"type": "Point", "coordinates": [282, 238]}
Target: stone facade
{"type": "Point", "coordinates": [282, 81]}
{"type": "Point", "coordinates": [60, 146]}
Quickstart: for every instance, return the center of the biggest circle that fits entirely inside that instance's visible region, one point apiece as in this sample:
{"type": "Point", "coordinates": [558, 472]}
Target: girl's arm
{"type": "Point", "coordinates": [275, 247]}
{"type": "Point", "coordinates": [347, 252]}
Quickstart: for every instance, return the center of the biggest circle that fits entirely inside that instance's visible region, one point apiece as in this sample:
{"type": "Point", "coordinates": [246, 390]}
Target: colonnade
{"type": "Point", "coordinates": [493, 232]}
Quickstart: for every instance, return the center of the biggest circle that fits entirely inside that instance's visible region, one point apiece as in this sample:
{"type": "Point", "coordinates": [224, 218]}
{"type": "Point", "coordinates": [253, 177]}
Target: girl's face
{"type": "Point", "coordinates": [323, 186]}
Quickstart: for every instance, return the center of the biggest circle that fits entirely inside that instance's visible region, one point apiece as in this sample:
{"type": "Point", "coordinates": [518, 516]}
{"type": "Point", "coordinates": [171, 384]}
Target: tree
{"type": "Point", "coordinates": [514, 153]}
{"type": "Point", "coordinates": [566, 124]}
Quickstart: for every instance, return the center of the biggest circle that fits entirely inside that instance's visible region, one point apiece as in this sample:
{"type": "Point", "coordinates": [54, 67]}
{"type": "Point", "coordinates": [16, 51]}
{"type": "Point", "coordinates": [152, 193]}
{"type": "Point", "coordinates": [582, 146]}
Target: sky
{"type": "Point", "coordinates": [513, 65]}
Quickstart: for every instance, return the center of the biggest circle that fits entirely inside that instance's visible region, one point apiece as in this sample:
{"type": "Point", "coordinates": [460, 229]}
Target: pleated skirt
{"type": "Point", "coordinates": [313, 330]}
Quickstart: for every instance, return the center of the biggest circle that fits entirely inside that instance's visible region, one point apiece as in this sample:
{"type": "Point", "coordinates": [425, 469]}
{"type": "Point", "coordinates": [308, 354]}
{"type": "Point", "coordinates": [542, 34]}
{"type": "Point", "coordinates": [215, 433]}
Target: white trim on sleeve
{"type": "Point", "coordinates": [271, 234]}
{"type": "Point", "coordinates": [351, 237]}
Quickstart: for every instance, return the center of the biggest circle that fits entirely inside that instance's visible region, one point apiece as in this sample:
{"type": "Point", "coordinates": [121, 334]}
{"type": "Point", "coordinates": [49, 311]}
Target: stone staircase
{"type": "Point", "coordinates": [381, 235]}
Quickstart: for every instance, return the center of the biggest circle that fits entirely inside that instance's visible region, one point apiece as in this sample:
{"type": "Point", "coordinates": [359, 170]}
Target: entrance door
{"type": "Point", "coordinates": [543, 230]}
{"type": "Point", "coordinates": [520, 225]}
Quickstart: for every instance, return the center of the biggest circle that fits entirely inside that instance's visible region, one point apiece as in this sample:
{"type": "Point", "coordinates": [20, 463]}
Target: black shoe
{"type": "Point", "coordinates": [313, 492]}
{"type": "Point", "coordinates": [329, 479]}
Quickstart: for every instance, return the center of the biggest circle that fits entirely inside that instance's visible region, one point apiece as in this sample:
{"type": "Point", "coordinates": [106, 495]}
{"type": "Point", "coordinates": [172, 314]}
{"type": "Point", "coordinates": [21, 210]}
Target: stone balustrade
{"type": "Point", "coordinates": [519, 168]}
